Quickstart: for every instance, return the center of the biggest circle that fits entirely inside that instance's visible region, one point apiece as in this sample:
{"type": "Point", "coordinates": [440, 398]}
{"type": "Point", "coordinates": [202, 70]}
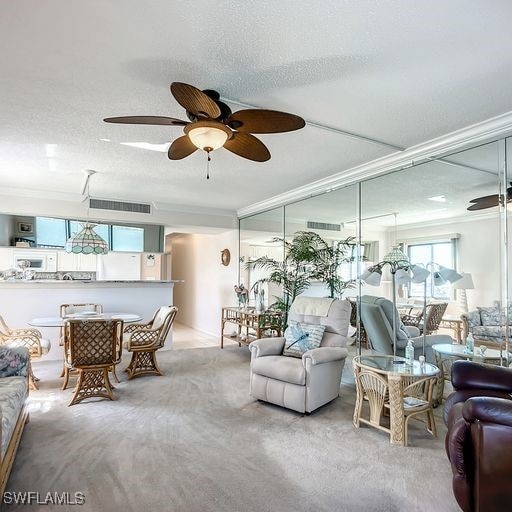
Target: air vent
{"type": "Point", "coordinates": [119, 206]}
{"type": "Point", "coordinates": [323, 225]}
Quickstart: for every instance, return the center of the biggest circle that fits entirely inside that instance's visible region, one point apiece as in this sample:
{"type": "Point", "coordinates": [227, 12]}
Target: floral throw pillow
{"type": "Point", "coordinates": [490, 315]}
{"type": "Point", "coordinates": [300, 338]}
{"type": "Point", "coordinates": [13, 361]}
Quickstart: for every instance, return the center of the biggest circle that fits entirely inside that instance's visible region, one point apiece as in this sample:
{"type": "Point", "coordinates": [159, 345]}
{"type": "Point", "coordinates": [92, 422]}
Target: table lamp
{"type": "Point", "coordinates": [463, 284]}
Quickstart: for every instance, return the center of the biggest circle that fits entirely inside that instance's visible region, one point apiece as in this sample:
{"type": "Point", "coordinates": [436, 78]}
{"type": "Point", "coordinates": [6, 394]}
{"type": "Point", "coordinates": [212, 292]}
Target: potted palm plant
{"type": "Point", "coordinates": [307, 257]}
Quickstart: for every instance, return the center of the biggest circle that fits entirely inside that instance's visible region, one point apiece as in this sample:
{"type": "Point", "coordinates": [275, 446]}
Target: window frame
{"type": "Point", "coordinates": [431, 288]}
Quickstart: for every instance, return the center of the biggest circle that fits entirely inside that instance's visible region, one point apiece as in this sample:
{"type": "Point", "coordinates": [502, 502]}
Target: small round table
{"type": "Point", "coordinates": [445, 354]}
{"type": "Point", "coordinates": [392, 378]}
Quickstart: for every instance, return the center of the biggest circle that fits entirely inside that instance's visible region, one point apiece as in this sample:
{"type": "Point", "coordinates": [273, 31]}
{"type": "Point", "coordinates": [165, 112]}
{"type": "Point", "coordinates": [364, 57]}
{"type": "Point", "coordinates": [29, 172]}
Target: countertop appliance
{"type": "Point", "coordinates": [40, 261]}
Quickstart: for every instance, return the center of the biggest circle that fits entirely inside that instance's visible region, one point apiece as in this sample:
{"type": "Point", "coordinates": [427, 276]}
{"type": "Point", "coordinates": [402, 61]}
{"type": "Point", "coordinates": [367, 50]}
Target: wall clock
{"type": "Point", "coordinates": [225, 257]}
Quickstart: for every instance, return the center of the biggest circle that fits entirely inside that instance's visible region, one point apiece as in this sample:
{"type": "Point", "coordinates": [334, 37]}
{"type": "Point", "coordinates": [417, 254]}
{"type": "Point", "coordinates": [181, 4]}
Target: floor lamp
{"type": "Point", "coordinates": [440, 276]}
{"type": "Point", "coordinates": [402, 272]}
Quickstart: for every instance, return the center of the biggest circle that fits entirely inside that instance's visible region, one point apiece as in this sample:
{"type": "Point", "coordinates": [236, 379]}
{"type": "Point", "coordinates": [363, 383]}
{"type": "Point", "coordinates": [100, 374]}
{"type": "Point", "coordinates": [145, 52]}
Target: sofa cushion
{"type": "Point", "coordinates": [490, 315]}
{"type": "Point", "coordinates": [286, 369]}
{"type": "Point", "coordinates": [13, 393]}
{"type": "Point", "coordinates": [489, 332]}
{"type": "Point", "coordinates": [300, 338]}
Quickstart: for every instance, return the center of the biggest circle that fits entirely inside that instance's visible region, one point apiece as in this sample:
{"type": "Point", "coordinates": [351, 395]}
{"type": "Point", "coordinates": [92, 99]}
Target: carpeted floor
{"type": "Point", "coordinates": [194, 441]}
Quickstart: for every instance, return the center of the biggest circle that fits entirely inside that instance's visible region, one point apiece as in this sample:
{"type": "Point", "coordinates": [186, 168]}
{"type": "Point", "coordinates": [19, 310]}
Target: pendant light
{"type": "Point", "coordinates": [87, 241]}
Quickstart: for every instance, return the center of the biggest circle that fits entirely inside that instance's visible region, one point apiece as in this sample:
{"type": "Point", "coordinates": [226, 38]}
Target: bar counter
{"type": "Point", "coordinates": [21, 301]}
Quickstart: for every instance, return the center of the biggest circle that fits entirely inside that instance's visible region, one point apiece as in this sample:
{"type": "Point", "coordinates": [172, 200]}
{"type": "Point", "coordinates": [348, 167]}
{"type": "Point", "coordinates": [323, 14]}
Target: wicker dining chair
{"type": "Point", "coordinates": [435, 314]}
{"type": "Point", "coordinates": [93, 347]}
{"type": "Point", "coordinates": [143, 340]}
{"type": "Point", "coordinates": [31, 339]}
{"type": "Point", "coordinates": [70, 309]}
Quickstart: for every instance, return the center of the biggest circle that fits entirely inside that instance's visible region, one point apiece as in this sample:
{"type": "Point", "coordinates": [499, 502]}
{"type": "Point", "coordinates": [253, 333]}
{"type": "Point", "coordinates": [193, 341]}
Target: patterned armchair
{"type": "Point", "coordinates": [30, 339]}
{"type": "Point", "coordinates": [143, 340]}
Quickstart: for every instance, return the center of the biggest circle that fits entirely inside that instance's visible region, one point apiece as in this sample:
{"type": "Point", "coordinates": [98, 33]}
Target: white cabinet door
{"type": "Point", "coordinates": [6, 258]}
{"type": "Point", "coordinates": [66, 261]}
{"type": "Point", "coordinates": [86, 262]}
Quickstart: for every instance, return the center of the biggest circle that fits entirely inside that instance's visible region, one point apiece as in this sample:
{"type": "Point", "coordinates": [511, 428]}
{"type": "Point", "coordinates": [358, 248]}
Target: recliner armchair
{"type": "Point", "coordinates": [377, 317]}
{"type": "Point", "coordinates": [478, 415]}
{"type": "Point", "coordinates": [310, 382]}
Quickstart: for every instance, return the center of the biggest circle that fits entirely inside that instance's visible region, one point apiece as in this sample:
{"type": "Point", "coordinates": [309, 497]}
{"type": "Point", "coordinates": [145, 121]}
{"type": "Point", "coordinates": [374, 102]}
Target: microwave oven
{"type": "Point", "coordinates": [40, 261]}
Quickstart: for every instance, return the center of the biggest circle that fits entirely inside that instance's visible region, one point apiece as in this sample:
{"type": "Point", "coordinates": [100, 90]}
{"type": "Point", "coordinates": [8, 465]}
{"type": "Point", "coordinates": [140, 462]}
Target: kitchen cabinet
{"type": "Point", "coordinates": [68, 262]}
{"type": "Point", "coordinates": [6, 258]}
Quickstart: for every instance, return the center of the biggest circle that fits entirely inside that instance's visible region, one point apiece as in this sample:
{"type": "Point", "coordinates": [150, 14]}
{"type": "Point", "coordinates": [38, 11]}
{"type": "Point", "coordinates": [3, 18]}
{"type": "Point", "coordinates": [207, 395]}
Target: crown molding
{"type": "Point", "coordinates": [470, 136]}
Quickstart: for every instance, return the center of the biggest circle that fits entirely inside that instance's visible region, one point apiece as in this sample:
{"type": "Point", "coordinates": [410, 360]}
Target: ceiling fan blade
{"type": "Point", "coordinates": [168, 121]}
{"type": "Point", "coordinates": [181, 148]}
{"type": "Point", "coordinates": [194, 100]}
{"type": "Point", "coordinates": [247, 146]}
{"type": "Point", "coordinates": [264, 121]}
{"type": "Point", "coordinates": [481, 203]}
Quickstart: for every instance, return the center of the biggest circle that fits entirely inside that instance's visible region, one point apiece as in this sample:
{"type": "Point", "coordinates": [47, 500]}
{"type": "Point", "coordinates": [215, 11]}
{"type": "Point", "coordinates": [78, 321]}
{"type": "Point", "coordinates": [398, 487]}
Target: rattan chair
{"type": "Point", "coordinates": [435, 314]}
{"type": "Point", "coordinates": [93, 347]}
{"type": "Point", "coordinates": [417, 402]}
{"type": "Point", "coordinates": [70, 309]}
{"type": "Point", "coordinates": [31, 339]}
{"type": "Point", "coordinates": [143, 340]}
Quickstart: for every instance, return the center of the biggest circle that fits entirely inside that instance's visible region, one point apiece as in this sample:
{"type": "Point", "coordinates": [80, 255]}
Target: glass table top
{"type": "Point", "coordinates": [396, 365]}
{"type": "Point", "coordinates": [460, 351]}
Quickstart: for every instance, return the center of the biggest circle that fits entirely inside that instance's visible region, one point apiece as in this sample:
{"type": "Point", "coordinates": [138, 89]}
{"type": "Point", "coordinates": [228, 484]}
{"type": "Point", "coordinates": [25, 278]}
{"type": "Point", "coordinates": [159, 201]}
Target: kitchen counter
{"type": "Point", "coordinates": [21, 301]}
{"type": "Point", "coordinates": [78, 283]}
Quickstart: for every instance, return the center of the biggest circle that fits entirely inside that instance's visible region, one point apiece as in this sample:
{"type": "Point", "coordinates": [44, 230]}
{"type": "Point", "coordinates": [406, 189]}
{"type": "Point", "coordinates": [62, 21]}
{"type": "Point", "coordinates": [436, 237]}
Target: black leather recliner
{"type": "Point", "coordinates": [478, 415]}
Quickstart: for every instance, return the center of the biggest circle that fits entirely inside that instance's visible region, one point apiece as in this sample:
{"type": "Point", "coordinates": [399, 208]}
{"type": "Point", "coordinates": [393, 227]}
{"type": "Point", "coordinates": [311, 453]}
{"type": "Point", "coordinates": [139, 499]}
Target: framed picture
{"type": "Point", "coordinates": [26, 228]}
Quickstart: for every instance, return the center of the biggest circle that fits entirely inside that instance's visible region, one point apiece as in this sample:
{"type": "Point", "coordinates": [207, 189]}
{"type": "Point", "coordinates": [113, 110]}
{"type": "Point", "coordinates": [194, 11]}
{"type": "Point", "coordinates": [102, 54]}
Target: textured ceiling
{"type": "Point", "coordinates": [398, 71]}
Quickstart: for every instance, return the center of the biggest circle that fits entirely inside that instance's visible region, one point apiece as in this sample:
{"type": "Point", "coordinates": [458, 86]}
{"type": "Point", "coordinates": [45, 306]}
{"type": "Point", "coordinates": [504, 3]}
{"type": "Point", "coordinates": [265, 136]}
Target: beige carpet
{"type": "Point", "coordinates": [194, 441]}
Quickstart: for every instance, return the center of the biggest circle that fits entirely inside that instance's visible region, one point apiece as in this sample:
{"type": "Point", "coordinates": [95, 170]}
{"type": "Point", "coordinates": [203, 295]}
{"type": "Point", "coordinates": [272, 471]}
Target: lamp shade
{"type": "Point", "coordinates": [396, 255]}
{"type": "Point", "coordinates": [464, 283]}
{"type": "Point", "coordinates": [87, 241]}
{"type": "Point", "coordinates": [438, 279]}
{"type": "Point", "coordinates": [402, 277]}
{"type": "Point", "coordinates": [419, 274]}
{"type": "Point", "coordinates": [448, 274]}
{"type": "Point", "coordinates": [372, 276]}
{"type": "Point", "coordinates": [208, 135]}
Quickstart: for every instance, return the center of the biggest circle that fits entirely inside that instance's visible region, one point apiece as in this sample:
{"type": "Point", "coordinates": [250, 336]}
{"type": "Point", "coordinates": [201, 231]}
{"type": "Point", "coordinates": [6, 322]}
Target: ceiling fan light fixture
{"type": "Point", "coordinates": [208, 135]}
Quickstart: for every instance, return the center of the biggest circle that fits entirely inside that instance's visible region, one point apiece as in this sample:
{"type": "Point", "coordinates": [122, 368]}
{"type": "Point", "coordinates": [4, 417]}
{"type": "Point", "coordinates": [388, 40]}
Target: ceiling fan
{"type": "Point", "coordinates": [481, 203]}
{"type": "Point", "coordinates": [212, 125]}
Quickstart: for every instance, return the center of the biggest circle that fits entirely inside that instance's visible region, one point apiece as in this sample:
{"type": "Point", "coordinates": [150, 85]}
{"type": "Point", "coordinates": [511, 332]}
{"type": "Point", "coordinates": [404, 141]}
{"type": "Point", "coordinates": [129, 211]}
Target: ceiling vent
{"type": "Point", "coordinates": [323, 225]}
{"type": "Point", "coordinates": [119, 206]}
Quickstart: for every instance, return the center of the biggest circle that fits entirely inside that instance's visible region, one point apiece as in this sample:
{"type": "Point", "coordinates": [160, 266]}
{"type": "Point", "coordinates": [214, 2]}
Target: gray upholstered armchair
{"type": "Point", "coordinates": [303, 384]}
{"type": "Point", "coordinates": [377, 317]}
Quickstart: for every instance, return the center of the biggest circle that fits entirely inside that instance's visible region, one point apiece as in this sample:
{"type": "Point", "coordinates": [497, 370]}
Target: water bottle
{"type": "Point", "coordinates": [470, 344]}
{"type": "Point", "coordinates": [409, 353]}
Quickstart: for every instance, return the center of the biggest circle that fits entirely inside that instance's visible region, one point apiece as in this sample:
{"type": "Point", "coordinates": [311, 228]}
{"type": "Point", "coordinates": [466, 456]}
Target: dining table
{"type": "Point", "coordinates": [58, 321]}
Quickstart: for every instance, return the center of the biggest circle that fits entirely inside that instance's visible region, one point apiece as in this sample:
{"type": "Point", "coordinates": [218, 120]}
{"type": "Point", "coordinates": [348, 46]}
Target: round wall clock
{"type": "Point", "coordinates": [225, 257]}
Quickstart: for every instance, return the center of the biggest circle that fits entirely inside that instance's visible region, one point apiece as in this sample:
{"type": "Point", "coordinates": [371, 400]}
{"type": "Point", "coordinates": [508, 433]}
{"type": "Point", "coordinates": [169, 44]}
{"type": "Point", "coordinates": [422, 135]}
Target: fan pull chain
{"type": "Point", "coordinates": [208, 166]}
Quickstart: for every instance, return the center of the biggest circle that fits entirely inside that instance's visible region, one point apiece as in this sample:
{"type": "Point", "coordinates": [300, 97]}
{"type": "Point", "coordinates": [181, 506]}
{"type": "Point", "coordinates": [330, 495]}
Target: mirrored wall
{"type": "Point", "coordinates": [422, 211]}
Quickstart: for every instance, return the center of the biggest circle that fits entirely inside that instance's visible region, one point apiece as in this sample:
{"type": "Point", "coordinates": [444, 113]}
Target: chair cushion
{"type": "Point", "coordinates": [337, 320]}
{"type": "Point", "coordinates": [300, 338]}
{"type": "Point", "coordinates": [489, 332]}
{"type": "Point", "coordinates": [286, 369]}
{"type": "Point", "coordinates": [13, 393]}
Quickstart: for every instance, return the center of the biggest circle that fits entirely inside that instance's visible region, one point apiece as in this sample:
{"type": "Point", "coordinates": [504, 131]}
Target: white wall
{"type": "Point", "coordinates": [478, 253]}
{"type": "Point", "coordinates": [208, 284]}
